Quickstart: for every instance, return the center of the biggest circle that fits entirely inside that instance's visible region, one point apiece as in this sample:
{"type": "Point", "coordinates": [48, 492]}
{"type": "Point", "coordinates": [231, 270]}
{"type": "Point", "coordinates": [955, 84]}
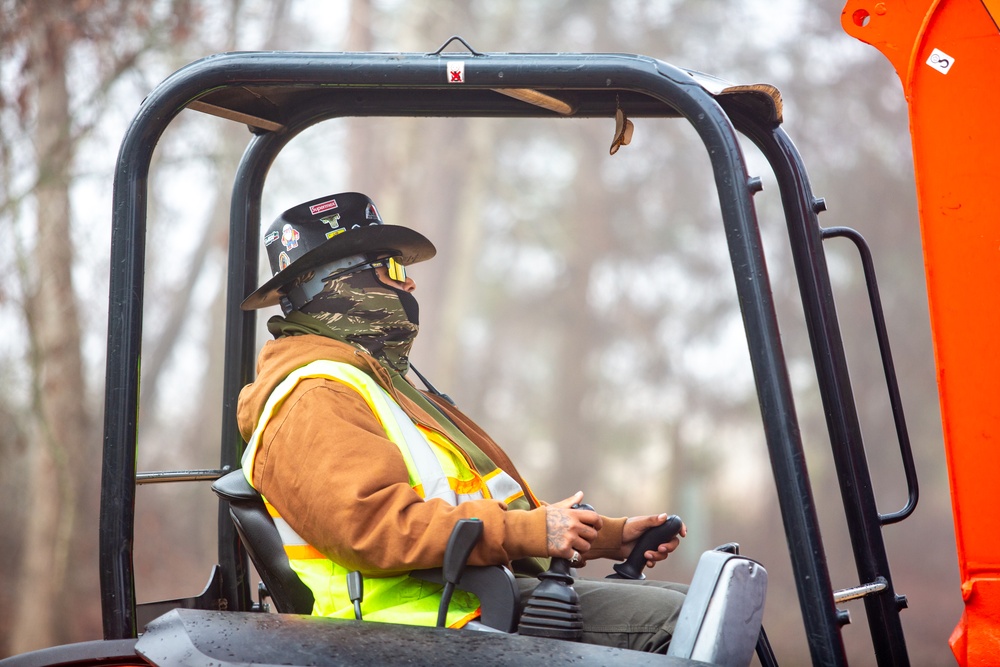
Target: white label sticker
{"type": "Point", "coordinates": [456, 71]}
{"type": "Point", "coordinates": [940, 61]}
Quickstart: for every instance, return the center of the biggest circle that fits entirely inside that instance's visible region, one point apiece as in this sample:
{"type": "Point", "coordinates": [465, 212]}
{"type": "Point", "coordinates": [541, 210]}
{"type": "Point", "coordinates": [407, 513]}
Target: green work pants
{"type": "Point", "coordinates": [622, 613]}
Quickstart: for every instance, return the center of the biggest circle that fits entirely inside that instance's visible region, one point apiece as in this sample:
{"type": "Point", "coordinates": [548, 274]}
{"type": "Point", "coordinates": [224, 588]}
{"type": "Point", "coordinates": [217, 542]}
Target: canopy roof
{"type": "Point", "coordinates": [409, 84]}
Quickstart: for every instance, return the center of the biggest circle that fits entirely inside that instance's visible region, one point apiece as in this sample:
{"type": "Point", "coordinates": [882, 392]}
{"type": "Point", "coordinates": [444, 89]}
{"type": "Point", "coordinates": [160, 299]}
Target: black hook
{"type": "Point", "coordinates": [452, 39]}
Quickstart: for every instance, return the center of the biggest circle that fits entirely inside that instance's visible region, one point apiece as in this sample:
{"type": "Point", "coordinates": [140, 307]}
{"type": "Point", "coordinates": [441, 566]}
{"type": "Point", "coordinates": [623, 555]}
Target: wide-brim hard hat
{"type": "Point", "coordinates": [327, 229]}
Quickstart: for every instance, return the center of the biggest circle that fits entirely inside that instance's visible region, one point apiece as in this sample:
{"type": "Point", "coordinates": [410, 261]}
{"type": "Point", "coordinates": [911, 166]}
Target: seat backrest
{"type": "Point", "coordinates": [261, 539]}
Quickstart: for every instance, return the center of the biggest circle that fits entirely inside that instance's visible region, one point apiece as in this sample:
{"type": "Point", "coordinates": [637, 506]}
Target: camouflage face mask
{"type": "Point", "coordinates": [360, 310]}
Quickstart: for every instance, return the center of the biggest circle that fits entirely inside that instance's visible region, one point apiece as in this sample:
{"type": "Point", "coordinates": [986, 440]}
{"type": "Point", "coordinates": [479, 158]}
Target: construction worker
{"type": "Point", "coordinates": [364, 472]}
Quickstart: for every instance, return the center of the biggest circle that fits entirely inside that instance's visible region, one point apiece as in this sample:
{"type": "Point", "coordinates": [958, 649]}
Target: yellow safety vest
{"type": "Point", "coordinates": [436, 468]}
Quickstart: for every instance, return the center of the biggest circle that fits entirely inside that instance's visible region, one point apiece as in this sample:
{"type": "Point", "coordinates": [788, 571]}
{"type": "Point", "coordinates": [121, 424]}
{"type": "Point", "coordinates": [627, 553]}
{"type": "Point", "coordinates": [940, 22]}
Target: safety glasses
{"type": "Point", "coordinates": [395, 269]}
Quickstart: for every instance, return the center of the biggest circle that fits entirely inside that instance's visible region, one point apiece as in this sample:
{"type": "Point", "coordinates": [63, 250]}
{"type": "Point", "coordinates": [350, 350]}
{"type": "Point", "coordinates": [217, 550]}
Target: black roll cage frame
{"type": "Point", "coordinates": [280, 94]}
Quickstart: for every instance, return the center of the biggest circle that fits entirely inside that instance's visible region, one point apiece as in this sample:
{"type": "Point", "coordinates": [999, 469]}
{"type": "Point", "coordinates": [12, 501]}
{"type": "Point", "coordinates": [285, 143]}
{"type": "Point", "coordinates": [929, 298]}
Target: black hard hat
{"type": "Point", "coordinates": [327, 229]}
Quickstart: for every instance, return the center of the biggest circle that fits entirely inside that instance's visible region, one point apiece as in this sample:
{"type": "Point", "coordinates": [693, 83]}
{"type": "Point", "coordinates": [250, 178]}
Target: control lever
{"type": "Point", "coordinates": [463, 539]}
{"type": "Point", "coordinates": [632, 567]}
{"type": "Point", "coordinates": [553, 610]}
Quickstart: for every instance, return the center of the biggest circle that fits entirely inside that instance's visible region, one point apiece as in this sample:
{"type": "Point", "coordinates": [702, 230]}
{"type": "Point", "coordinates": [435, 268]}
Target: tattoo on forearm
{"type": "Point", "coordinates": [556, 528]}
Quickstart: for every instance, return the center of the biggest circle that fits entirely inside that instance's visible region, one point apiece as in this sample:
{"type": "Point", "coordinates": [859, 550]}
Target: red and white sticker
{"type": "Point", "coordinates": [456, 71]}
{"type": "Point", "coordinates": [323, 206]}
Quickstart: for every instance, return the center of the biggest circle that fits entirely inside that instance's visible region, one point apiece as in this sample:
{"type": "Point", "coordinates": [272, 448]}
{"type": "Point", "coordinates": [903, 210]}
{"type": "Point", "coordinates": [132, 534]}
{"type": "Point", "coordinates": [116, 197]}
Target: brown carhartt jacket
{"type": "Point", "coordinates": [327, 466]}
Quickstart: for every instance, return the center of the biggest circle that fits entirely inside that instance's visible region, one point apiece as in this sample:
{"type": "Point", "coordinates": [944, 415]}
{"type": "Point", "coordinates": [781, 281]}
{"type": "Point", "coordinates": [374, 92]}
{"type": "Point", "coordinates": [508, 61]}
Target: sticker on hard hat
{"type": "Point", "coordinates": [289, 237]}
{"type": "Point", "coordinates": [271, 238]}
{"type": "Point", "coordinates": [324, 206]}
{"type": "Point", "coordinates": [283, 261]}
{"type": "Point", "coordinates": [333, 233]}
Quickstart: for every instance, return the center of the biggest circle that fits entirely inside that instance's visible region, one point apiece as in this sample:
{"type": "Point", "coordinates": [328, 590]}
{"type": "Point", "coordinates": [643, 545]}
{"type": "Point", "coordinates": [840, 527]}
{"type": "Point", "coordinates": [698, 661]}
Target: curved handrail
{"type": "Point", "coordinates": [888, 369]}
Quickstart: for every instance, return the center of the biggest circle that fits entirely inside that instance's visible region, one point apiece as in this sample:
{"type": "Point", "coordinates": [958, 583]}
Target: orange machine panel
{"type": "Point", "coordinates": [947, 55]}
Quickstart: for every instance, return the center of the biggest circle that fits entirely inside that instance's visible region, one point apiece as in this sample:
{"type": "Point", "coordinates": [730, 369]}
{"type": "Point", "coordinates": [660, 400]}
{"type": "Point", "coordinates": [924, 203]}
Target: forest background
{"type": "Point", "coordinates": [581, 306]}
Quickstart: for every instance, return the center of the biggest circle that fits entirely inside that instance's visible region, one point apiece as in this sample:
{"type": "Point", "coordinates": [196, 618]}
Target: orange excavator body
{"type": "Point", "coordinates": [947, 56]}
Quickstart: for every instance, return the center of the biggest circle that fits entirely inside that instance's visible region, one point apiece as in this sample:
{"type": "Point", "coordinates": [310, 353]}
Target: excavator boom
{"type": "Point", "coordinates": [947, 56]}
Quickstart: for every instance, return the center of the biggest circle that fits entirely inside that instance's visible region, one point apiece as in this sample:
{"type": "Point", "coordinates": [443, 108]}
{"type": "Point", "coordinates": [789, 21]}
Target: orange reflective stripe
{"type": "Point", "coordinates": [458, 486]}
{"type": "Point", "coordinates": [471, 616]}
{"type": "Point", "coordinates": [467, 487]}
{"type": "Point", "coordinates": [303, 552]}
{"type": "Point", "coordinates": [508, 501]}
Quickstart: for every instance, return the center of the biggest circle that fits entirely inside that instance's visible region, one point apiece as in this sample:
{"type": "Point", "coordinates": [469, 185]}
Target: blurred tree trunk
{"type": "Point", "coordinates": [198, 437]}
{"type": "Point", "coordinates": [365, 144]}
{"type": "Point", "coordinates": [458, 292]}
{"type": "Point", "coordinates": [62, 426]}
{"type": "Point", "coordinates": [576, 429]}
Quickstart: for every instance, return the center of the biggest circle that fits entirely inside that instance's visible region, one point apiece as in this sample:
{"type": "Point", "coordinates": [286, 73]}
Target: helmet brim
{"type": "Point", "coordinates": [410, 246]}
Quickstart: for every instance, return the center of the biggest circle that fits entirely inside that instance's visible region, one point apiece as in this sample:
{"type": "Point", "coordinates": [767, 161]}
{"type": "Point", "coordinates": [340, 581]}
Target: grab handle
{"type": "Point", "coordinates": [878, 317]}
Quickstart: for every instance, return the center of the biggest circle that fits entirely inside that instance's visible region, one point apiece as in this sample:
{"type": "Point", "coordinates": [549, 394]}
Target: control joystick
{"type": "Point", "coordinates": [553, 610]}
{"type": "Point", "coordinates": [631, 568]}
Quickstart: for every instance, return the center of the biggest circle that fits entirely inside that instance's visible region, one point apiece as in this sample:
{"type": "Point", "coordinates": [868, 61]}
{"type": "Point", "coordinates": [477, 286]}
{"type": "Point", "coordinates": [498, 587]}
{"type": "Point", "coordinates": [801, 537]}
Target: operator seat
{"type": "Point", "coordinates": [494, 586]}
{"type": "Point", "coordinates": [261, 539]}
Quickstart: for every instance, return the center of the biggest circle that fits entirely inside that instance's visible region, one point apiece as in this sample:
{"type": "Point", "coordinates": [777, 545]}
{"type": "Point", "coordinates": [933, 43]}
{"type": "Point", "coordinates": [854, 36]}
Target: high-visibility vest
{"type": "Point", "coordinates": [436, 468]}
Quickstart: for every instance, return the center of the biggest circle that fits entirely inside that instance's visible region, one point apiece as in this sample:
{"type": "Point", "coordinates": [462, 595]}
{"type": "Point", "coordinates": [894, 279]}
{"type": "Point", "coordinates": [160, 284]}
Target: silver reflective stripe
{"type": "Point", "coordinates": [278, 395]}
{"type": "Point", "coordinates": [289, 537]}
{"type": "Point", "coordinates": [432, 476]}
{"type": "Point", "coordinates": [504, 487]}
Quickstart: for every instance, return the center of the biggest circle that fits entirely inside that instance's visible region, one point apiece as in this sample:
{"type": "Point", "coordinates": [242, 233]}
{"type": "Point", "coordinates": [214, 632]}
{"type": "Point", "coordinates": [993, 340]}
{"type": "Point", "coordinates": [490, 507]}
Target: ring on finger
{"type": "Point", "coordinates": [576, 557]}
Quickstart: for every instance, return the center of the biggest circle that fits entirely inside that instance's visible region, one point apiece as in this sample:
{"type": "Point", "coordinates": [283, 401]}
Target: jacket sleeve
{"type": "Point", "coordinates": [609, 540]}
{"type": "Point", "coordinates": [326, 465]}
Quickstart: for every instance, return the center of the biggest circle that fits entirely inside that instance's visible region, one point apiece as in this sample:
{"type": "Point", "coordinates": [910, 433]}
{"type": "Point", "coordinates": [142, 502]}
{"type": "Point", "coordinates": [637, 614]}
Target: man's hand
{"type": "Point", "coordinates": [637, 525]}
{"type": "Point", "coordinates": [569, 532]}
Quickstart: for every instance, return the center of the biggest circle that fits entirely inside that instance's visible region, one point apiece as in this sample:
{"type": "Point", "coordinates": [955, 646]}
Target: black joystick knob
{"type": "Point", "coordinates": [648, 541]}
{"type": "Point", "coordinates": [553, 610]}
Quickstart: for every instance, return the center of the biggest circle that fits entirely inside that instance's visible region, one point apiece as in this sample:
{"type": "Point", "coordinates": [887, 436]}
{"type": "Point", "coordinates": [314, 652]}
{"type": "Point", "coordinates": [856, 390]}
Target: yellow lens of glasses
{"type": "Point", "coordinates": [396, 270]}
